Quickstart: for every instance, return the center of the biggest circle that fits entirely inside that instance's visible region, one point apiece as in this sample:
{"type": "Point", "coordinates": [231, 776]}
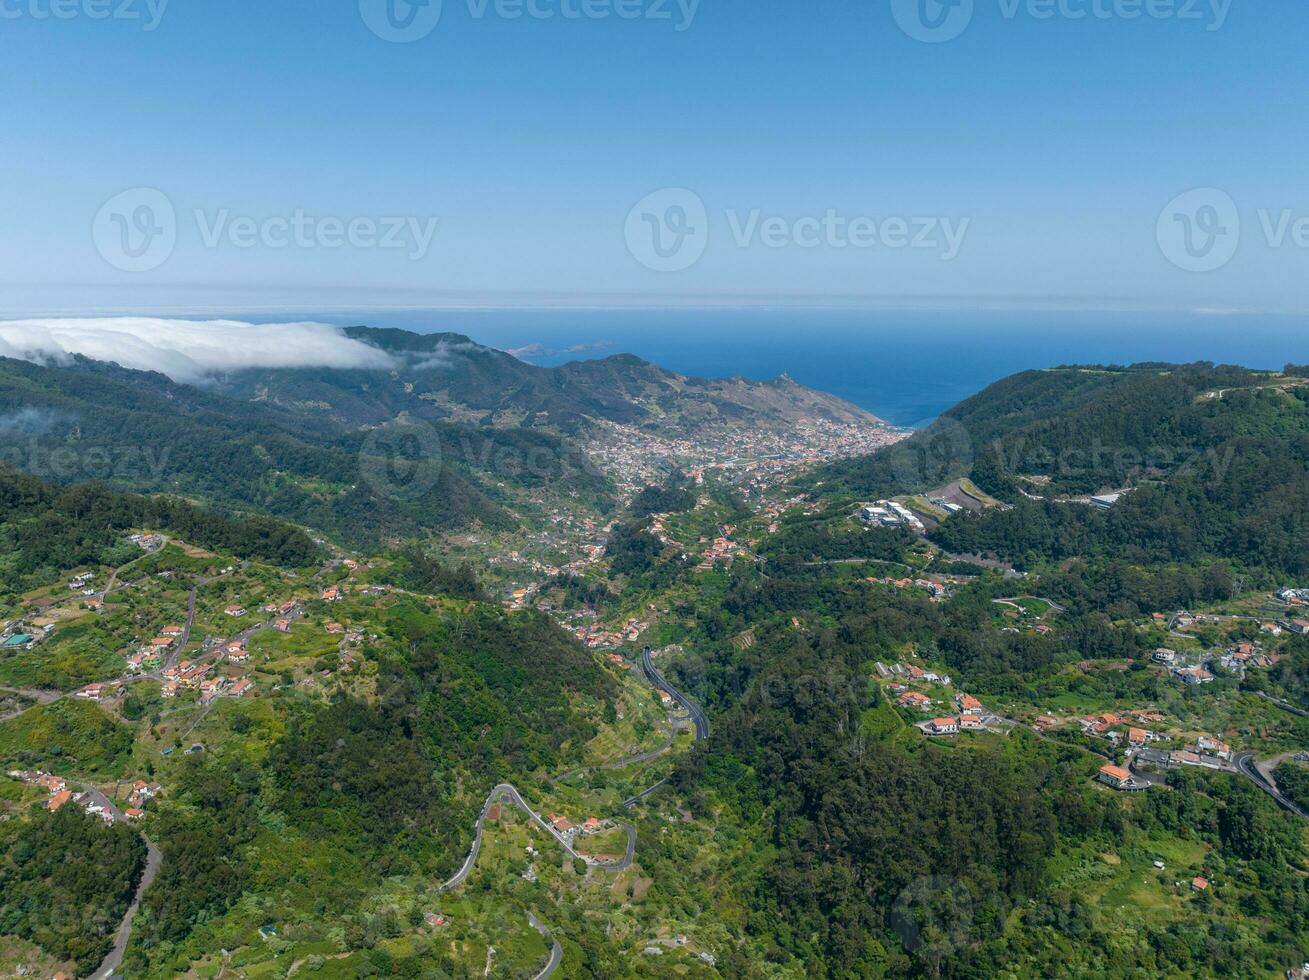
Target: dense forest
{"type": "Point", "coordinates": [43, 526]}
{"type": "Point", "coordinates": [66, 880]}
{"type": "Point", "coordinates": [1082, 430]}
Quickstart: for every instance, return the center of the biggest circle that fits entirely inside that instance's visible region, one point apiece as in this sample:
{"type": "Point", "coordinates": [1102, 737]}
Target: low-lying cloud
{"type": "Point", "coordinates": [188, 351]}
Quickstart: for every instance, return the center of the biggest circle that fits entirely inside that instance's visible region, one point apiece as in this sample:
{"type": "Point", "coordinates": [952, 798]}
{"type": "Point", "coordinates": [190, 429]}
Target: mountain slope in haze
{"type": "Point", "coordinates": [455, 435]}
{"type": "Point", "coordinates": [460, 379]}
{"type": "Point", "coordinates": [361, 481]}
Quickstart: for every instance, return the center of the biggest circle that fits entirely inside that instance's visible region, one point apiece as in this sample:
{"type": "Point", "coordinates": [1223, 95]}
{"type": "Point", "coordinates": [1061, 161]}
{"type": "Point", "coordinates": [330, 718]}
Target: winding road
{"type": "Point", "coordinates": [1247, 765]}
{"type": "Point", "coordinates": [698, 717]}
{"type": "Point", "coordinates": [507, 793]}
{"type": "Point", "coordinates": [556, 952]}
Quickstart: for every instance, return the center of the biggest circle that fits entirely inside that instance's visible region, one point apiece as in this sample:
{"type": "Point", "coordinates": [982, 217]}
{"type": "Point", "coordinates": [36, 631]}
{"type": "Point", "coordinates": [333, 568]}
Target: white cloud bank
{"type": "Point", "coordinates": [188, 351]}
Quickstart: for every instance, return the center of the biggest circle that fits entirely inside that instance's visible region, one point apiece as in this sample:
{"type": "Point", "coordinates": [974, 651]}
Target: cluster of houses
{"type": "Point", "coordinates": [150, 655]}
{"type": "Point", "coordinates": [936, 591]}
{"type": "Point", "coordinates": [722, 550]}
{"type": "Point", "coordinates": [82, 584]}
{"type": "Point", "coordinates": [629, 632]}
{"type": "Point", "coordinates": [1181, 668]}
{"type": "Point", "coordinates": [147, 542]}
{"type": "Point", "coordinates": [93, 803]}
{"type": "Point", "coordinates": [911, 672]}
{"type": "Point", "coordinates": [570, 832]}
{"type": "Point", "coordinates": [142, 793]}
{"type": "Point", "coordinates": [1237, 658]}
{"type": "Point", "coordinates": [971, 715]}
{"type": "Point", "coordinates": [1245, 655]}
{"type": "Point", "coordinates": [1208, 752]}
{"type": "Point", "coordinates": [191, 676]}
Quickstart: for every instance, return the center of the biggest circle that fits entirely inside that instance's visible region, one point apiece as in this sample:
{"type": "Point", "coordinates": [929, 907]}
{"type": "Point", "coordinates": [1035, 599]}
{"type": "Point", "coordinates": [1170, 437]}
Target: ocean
{"type": "Point", "coordinates": [906, 367]}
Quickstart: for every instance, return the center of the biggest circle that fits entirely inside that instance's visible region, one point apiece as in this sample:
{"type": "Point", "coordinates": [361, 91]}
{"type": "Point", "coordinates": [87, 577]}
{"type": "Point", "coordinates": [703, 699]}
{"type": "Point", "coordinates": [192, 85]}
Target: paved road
{"type": "Point", "coordinates": [698, 717]}
{"type": "Point", "coordinates": [631, 801]}
{"type": "Point", "coordinates": [34, 696]}
{"type": "Point", "coordinates": [507, 793]}
{"type": "Point", "coordinates": [625, 761]}
{"type": "Point", "coordinates": [1284, 705]}
{"type": "Point", "coordinates": [1247, 766]}
{"type": "Point", "coordinates": [556, 953]}
{"type": "Point", "coordinates": [114, 960]}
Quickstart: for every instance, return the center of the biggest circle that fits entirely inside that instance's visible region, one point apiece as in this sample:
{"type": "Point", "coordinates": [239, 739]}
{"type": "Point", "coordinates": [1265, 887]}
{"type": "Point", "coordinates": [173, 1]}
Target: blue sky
{"type": "Point", "coordinates": [1048, 146]}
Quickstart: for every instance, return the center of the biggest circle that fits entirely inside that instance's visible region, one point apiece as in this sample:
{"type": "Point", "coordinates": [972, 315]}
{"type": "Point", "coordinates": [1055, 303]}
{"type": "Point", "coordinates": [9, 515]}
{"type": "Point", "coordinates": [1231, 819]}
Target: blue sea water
{"type": "Point", "coordinates": [906, 367]}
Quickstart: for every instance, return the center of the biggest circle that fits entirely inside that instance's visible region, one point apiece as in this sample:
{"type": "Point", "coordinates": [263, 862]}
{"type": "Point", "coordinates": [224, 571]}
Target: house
{"type": "Point", "coordinates": [235, 611]}
{"type": "Point", "coordinates": [170, 689]}
{"type": "Point", "coordinates": [971, 723]}
{"type": "Point", "coordinates": [52, 783]}
{"type": "Point", "coordinates": [172, 631]}
{"type": "Point", "coordinates": [433, 920]}
{"type": "Point", "coordinates": [160, 643]}
{"type": "Point", "coordinates": [211, 688]}
{"type": "Point", "coordinates": [134, 813]}
{"type": "Point", "coordinates": [562, 824]}
{"type": "Point", "coordinates": [1194, 675]}
{"type": "Point", "coordinates": [1164, 656]}
{"type": "Point", "coordinates": [1299, 626]}
{"type": "Point", "coordinates": [286, 607]}
{"type": "Point", "coordinates": [591, 826]}
{"type": "Point", "coordinates": [237, 653]}
{"type": "Point", "coordinates": [241, 688]}
{"type": "Point", "coordinates": [1115, 776]}
{"type": "Point", "coordinates": [332, 594]}
{"type": "Point", "coordinates": [968, 704]}
{"type": "Point", "coordinates": [92, 692]}
{"type": "Point", "coordinates": [282, 625]}
{"type": "Point", "coordinates": [666, 698]}
{"type": "Point", "coordinates": [1214, 747]}
{"type": "Point", "coordinates": [1137, 736]}
{"type": "Point", "coordinates": [1047, 721]}
{"type": "Point", "coordinates": [944, 726]}
{"type": "Point", "coordinates": [1199, 883]}
{"type": "Point", "coordinates": [913, 699]}
{"type": "Point", "coordinates": [58, 800]}
{"type": "Point", "coordinates": [1153, 758]}
{"type": "Point", "coordinates": [335, 629]}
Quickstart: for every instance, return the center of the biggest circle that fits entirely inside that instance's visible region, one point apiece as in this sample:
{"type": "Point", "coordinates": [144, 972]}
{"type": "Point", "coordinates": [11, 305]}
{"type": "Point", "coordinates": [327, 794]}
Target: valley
{"type": "Point", "coordinates": [600, 739]}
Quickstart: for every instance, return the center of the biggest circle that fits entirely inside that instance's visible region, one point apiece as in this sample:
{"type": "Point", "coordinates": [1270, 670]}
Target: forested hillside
{"type": "Point", "coordinates": [49, 527]}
